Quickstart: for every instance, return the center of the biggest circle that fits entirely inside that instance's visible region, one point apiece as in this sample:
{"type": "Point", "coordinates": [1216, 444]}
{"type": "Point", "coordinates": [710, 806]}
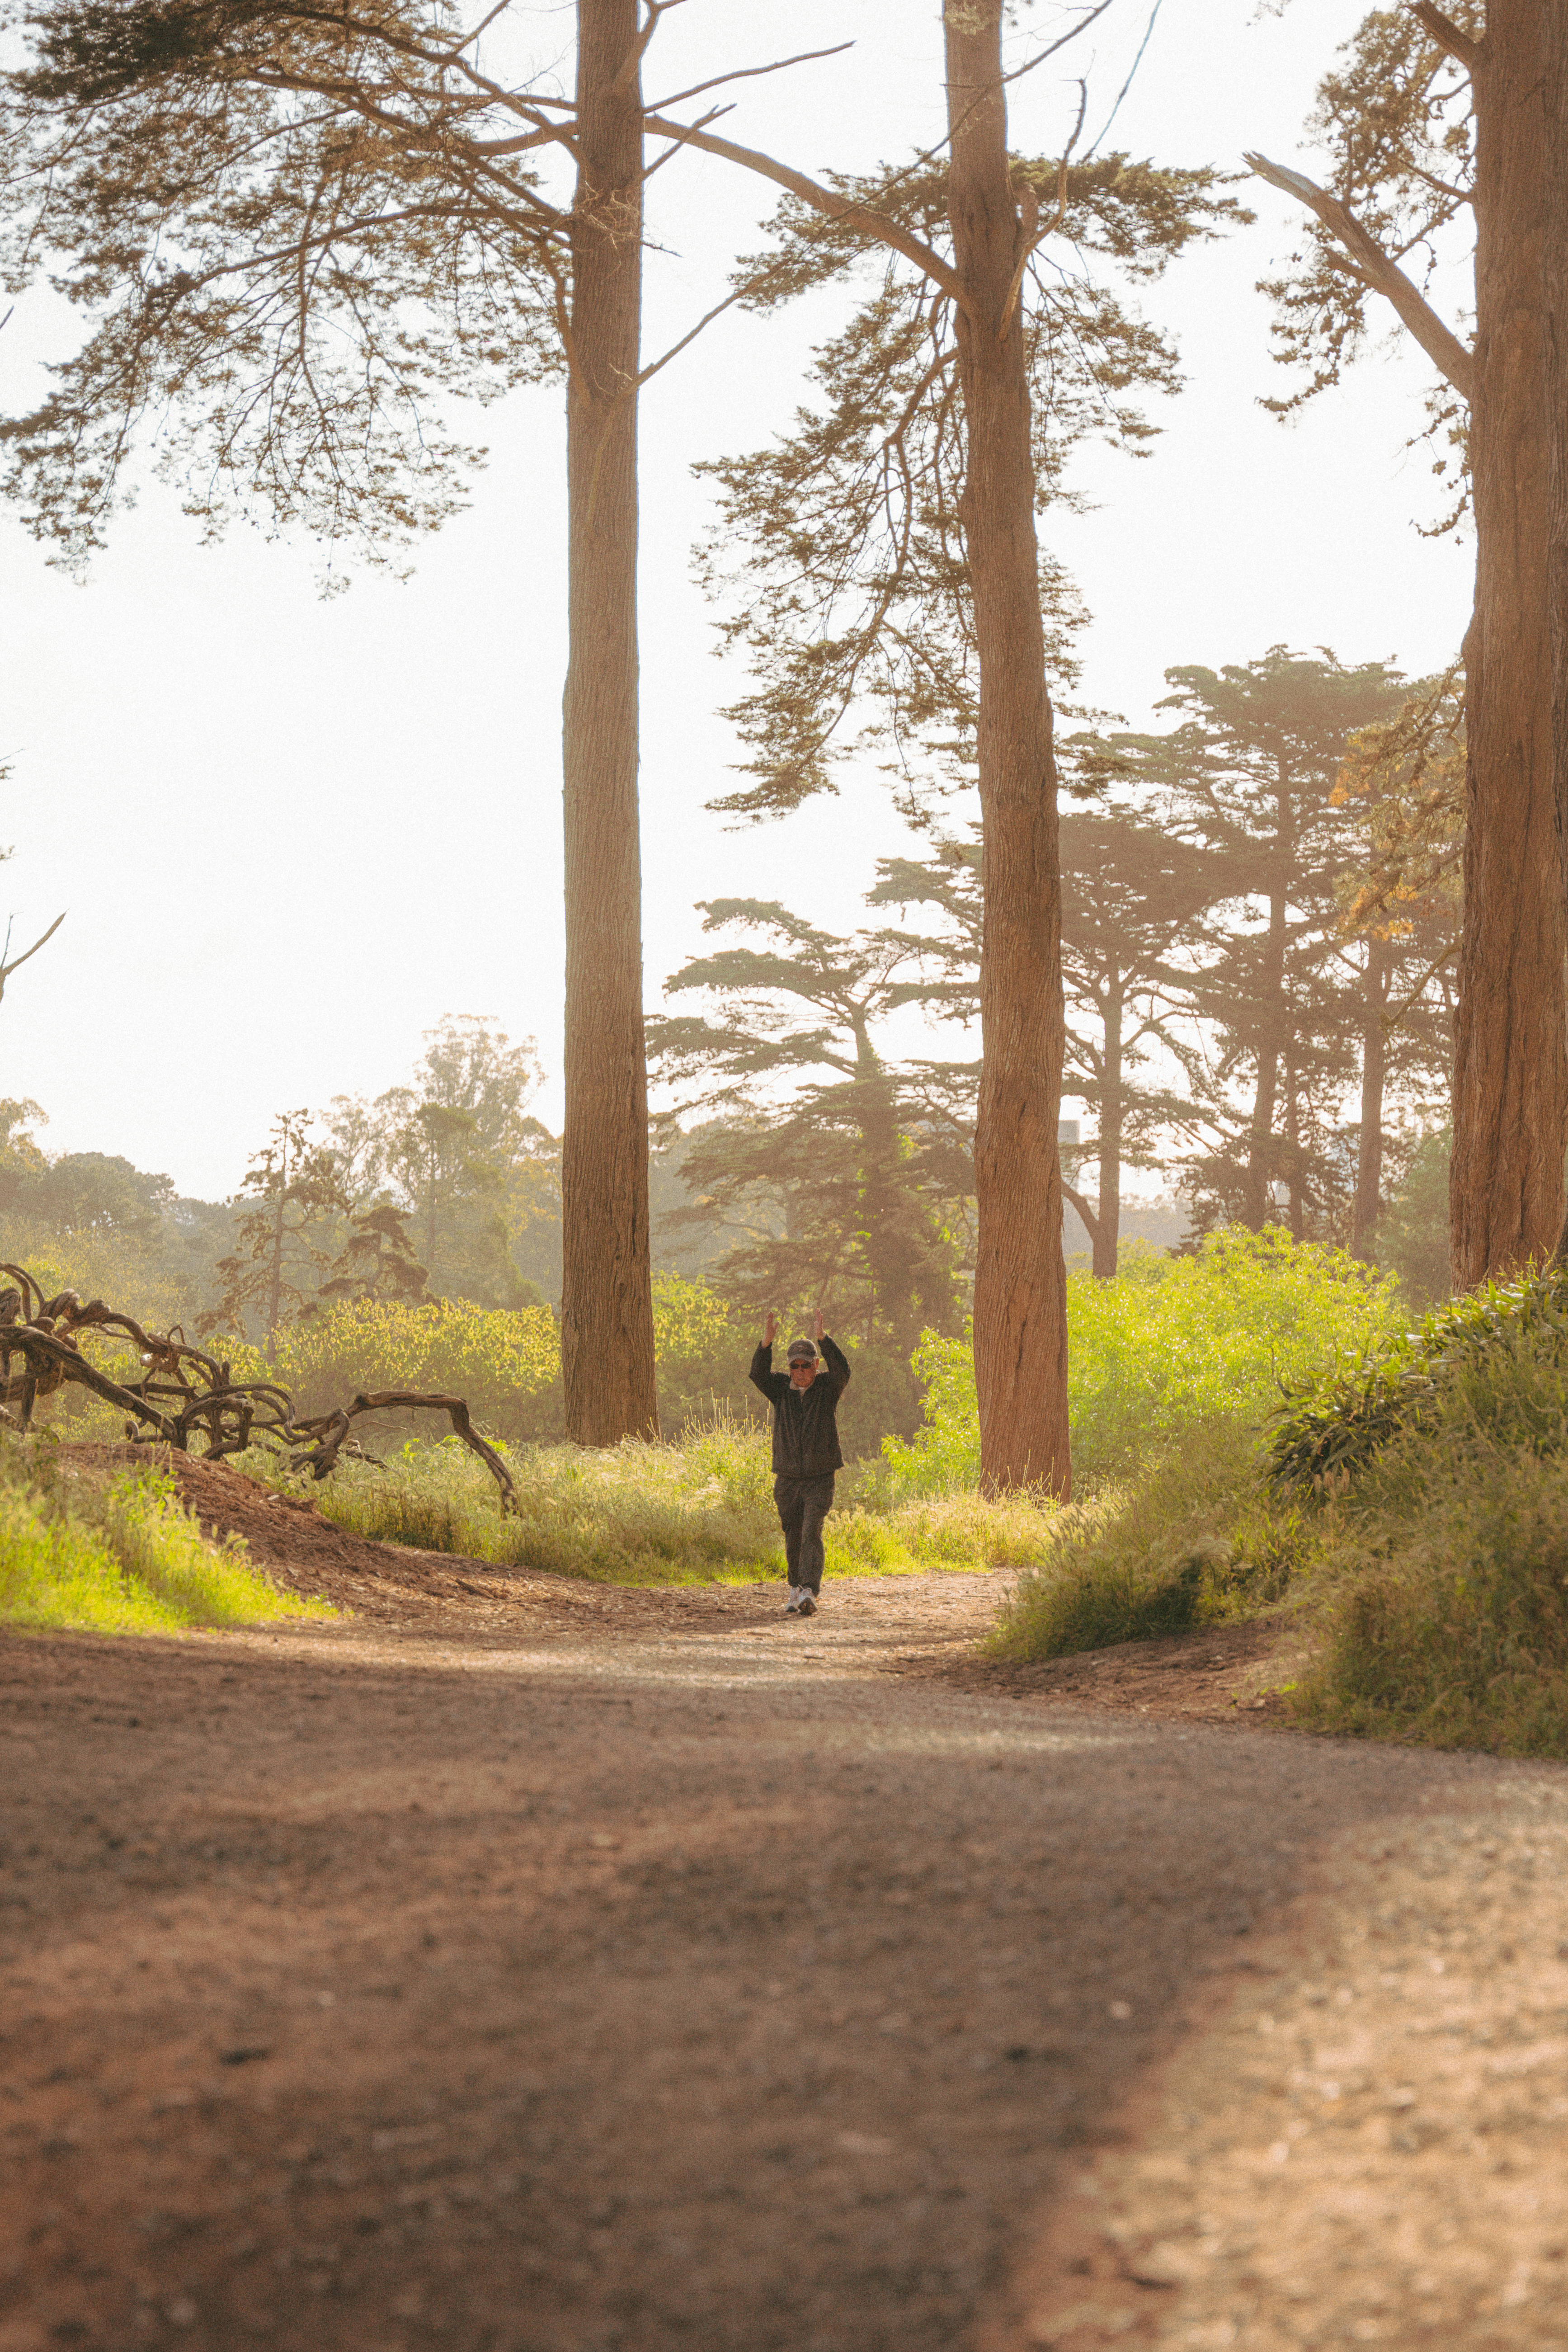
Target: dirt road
{"type": "Point", "coordinates": [553, 1969]}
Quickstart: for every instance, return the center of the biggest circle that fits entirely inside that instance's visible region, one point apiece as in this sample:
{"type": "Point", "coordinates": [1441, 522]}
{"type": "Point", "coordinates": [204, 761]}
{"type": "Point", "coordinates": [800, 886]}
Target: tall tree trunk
{"type": "Point", "coordinates": [1020, 1283]}
{"type": "Point", "coordinates": [1555, 280]}
{"type": "Point", "coordinates": [1374, 983]}
{"type": "Point", "coordinates": [606, 1301]}
{"type": "Point", "coordinates": [1257, 1194]}
{"type": "Point", "coordinates": [1112, 1118]}
{"type": "Point", "coordinates": [1510, 1059]}
{"type": "Point", "coordinates": [1294, 1182]}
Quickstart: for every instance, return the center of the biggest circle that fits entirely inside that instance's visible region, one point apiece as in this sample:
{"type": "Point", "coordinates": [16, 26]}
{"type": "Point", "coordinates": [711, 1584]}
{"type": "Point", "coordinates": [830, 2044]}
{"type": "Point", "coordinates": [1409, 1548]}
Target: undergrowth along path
{"type": "Point", "coordinates": [534, 1967]}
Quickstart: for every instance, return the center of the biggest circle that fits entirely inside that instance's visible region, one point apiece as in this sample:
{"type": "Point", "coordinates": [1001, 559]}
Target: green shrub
{"type": "Point", "coordinates": [1191, 1539]}
{"type": "Point", "coordinates": [1443, 1601]}
{"type": "Point", "coordinates": [1169, 1345]}
{"type": "Point", "coordinates": [1336, 1424]}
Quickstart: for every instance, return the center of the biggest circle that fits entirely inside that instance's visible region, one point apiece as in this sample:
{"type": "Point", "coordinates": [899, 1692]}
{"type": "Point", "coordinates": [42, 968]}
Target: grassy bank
{"type": "Point", "coordinates": [126, 1560]}
{"type": "Point", "coordinates": [1411, 1506]}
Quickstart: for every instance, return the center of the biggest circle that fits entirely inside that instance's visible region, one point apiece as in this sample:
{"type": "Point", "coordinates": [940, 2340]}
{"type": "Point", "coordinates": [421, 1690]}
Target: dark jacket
{"type": "Point", "coordinates": [806, 1427]}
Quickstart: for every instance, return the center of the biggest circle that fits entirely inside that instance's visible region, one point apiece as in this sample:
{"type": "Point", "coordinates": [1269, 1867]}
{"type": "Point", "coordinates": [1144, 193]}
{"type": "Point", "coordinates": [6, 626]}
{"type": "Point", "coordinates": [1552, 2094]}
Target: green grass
{"type": "Point", "coordinates": [698, 1511]}
{"type": "Point", "coordinates": [1192, 1540]}
{"type": "Point", "coordinates": [1441, 1601]}
{"type": "Point", "coordinates": [132, 1560]}
{"type": "Point", "coordinates": [1337, 1422]}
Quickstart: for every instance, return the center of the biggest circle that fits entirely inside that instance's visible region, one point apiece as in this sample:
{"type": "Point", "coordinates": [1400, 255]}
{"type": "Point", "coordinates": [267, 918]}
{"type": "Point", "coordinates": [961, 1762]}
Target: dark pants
{"type": "Point", "coordinates": [803, 1503]}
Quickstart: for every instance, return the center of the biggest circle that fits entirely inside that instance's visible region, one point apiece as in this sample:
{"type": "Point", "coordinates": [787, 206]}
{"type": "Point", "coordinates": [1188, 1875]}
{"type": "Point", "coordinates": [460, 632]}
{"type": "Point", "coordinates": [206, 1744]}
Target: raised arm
{"type": "Point", "coordinates": [763, 1375]}
{"type": "Point", "coordinates": [834, 1357]}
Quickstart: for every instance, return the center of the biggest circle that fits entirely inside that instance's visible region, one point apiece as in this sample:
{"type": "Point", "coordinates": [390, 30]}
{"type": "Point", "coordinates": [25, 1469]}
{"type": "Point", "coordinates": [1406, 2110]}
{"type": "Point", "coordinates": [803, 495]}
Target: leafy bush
{"type": "Point", "coordinates": [505, 1362]}
{"type": "Point", "coordinates": [1169, 1345]}
{"type": "Point", "coordinates": [1444, 1598]}
{"type": "Point", "coordinates": [131, 1561]}
{"type": "Point", "coordinates": [1336, 1424]}
{"type": "Point", "coordinates": [1191, 1539]}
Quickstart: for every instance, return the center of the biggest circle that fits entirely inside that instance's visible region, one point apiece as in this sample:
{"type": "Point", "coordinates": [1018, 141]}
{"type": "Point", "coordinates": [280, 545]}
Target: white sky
{"type": "Point", "coordinates": [292, 835]}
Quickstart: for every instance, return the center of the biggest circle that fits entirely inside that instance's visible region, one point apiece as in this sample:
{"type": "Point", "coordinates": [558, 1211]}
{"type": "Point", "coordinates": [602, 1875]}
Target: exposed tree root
{"type": "Point", "coordinates": [183, 1393]}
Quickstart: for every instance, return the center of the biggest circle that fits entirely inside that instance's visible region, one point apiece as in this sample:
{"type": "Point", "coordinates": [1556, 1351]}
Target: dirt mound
{"type": "Point", "coordinates": [301, 1551]}
{"type": "Point", "coordinates": [392, 1584]}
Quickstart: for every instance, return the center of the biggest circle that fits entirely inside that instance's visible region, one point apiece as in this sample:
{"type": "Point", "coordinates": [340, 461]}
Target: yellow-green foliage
{"type": "Point", "coordinates": [117, 1266]}
{"type": "Point", "coordinates": [1172, 1344]}
{"type": "Point", "coordinates": [503, 1360]}
{"type": "Point", "coordinates": [131, 1562]}
{"type": "Point", "coordinates": [644, 1514]}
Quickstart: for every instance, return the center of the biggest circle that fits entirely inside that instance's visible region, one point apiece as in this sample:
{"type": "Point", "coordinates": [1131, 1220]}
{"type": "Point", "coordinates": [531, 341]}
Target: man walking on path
{"type": "Point", "coordinates": [805, 1451]}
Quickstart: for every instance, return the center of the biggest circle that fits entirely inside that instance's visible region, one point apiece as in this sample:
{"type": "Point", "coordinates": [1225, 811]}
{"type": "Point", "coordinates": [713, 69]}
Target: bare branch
{"type": "Point", "coordinates": [628, 72]}
{"type": "Point", "coordinates": [7, 967]}
{"type": "Point", "coordinates": [746, 73]}
{"type": "Point", "coordinates": [185, 1394]}
{"type": "Point", "coordinates": [1075, 1200]}
{"type": "Point", "coordinates": [1439, 343]}
{"type": "Point", "coordinates": [1019, 71]}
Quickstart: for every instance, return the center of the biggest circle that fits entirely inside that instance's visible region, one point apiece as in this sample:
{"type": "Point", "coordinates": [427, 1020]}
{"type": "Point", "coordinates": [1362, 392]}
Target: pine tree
{"type": "Point", "coordinates": [897, 578]}
{"type": "Point", "coordinates": [292, 1188]}
{"type": "Point", "coordinates": [376, 1263]}
{"type": "Point", "coordinates": [838, 1182]}
{"type": "Point", "coordinates": [1249, 776]}
{"type": "Point", "coordinates": [1442, 125]}
{"type": "Point", "coordinates": [1132, 893]}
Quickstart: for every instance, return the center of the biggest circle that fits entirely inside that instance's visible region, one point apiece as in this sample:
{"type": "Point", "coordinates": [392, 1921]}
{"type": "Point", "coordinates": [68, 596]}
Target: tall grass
{"type": "Point", "coordinates": [132, 1560]}
{"type": "Point", "coordinates": [643, 1514]}
{"type": "Point", "coordinates": [1193, 1538]}
{"type": "Point", "coordinates": [1443, 1597]}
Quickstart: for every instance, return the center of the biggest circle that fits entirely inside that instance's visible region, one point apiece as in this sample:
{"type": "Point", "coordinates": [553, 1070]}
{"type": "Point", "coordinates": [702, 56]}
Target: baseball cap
{"type": "Point", "coordinates": [801, 1351]}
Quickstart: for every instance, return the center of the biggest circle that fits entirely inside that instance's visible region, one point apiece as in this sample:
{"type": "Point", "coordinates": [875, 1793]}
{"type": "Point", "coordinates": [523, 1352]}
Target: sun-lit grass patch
{"type": "Point", "coordinates": [701, 1509]}
{"type": "Point", "coordinates": [132, 1560]}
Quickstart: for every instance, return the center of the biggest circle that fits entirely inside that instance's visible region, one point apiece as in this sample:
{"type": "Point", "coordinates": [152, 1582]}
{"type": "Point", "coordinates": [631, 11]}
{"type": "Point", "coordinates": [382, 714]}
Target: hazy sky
{"type": "Point", "coordinates": [292, 834]}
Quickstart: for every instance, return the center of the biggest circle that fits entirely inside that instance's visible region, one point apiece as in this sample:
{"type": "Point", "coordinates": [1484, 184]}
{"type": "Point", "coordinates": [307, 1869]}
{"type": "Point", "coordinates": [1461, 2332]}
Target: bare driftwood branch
{"type": "Point", "coordinates": [1439, 343]}
{"type": "Point", "coordinates": [184, 1393]}
{"type": "Point", "coordinates": [7, 966]}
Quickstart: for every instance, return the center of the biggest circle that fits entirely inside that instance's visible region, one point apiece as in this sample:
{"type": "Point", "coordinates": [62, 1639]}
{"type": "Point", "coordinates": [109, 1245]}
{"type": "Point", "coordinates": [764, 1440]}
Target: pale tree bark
{"type": "Point", "coordinates": [1375, 978]}
{"type": "Point", "coordinates": [1258, 1177]}
{"type": "Point", "coordinates": [1510, 1059]}
{"type": "Point", "coordinates": [607, 1303]}
{"type": "Point", "coordinates": [1020, 1283]}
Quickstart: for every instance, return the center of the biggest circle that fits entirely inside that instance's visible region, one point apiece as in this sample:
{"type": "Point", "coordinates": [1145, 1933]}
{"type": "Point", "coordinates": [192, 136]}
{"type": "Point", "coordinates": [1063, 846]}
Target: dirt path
{"type": "Point", "coordinates": [529, 1968]}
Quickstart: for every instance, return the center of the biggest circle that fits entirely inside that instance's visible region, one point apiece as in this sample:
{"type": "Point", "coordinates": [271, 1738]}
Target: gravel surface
{"type": "Point", "coordinates": [553, 1968]}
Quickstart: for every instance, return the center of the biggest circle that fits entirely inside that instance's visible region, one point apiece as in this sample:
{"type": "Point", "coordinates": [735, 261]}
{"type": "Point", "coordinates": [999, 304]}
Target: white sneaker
{"type": "Point", "coordinates": [807, 1607]}
{"type": "Point", "coordinates": [796, 1595]}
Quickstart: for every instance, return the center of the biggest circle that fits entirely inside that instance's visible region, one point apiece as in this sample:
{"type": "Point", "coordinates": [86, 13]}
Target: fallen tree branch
{"type": "Point", "coordinates": [183, 1393]}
